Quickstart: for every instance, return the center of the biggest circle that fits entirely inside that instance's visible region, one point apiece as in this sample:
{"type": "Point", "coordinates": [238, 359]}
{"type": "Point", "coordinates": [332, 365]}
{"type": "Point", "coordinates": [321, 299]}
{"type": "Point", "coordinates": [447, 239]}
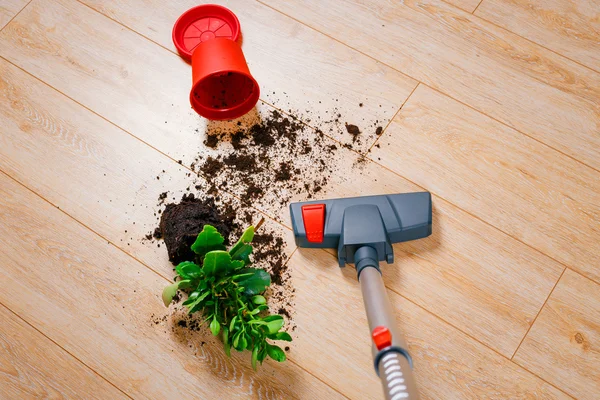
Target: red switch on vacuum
{"type": "Point", "coordinates": [382, 337]}
{"type": "Point", "coordinates": [313, 216]}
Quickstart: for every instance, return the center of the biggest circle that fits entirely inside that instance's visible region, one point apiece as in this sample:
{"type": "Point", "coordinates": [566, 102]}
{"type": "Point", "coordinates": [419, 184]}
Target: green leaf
{"type": "Point", "coordinates": [280, 336]}
{"type": "Point", "coordinates": [241, 252]}
{"type": "Point", "coordinates": [243, 342]}
{"type": "Point", "coordinates": [262, 353]}
{"type": "Point", "coordinates": [208, 240]}
{"type": "Point", "coordinates": [169, 292]}
{"type": "Point", "coordinates": [239, 277]}
{"type": "Point", "coordinates": [258, 299]}
{"type": "Point", "coordinates": [255, 284]}
{"type": "Point", "coordinates": [188, 270]}
{"type": "Point", "coordinates": [254, 357]}
{"type": "Point", "coordinates": [195, 305]}
{"type": "Point", "coordinates": [219, 263]}
{"type": "Point", "coordinates": [275, 353]}
{"type": "Point", "coordinates": [257, 322]}
{"type": "Point", "coordinates": [232, 323]}
{"type": "Point", "coordinates": [248, 235]}
{"type": "Point", "coordinates": [274, 323]}
{"type": "Point", "coordinates": [215, 326]}
{"type": "Point", "coordinates": [226, 341]}
{"type": "Point", "coordinates": [236, 340]}
{"type": "Point", "coordinates": [192, 297]}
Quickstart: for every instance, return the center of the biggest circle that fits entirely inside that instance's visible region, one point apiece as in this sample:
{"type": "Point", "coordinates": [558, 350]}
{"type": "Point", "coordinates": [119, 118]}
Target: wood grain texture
{"type": "Point", "coordinates": [98, 303]}
{"type": "Point", "coordinates": [493, 298]}
{"type": "Point", "coordinates": [10, 8]}
{"type": "Point", "coordinates": [108, 190]}
{"type": "Point", "coordinates": [25, 357]}
{"type": "Point", "coordinates": [470, 274]}
{"type": "Point", "coordinates": [521, 186]}
{"type": "Point", "coordinates": [466, 5]}
{"type": "Point", "coordinates": [569, 27]}
{"type": "Point", "coordinates": [563, 345]}
{"type": "Point", "coordinates": [448, 364]}
{"type": "Point", "coordinates": [494, 71]}
{"type": "Point", "coordinates": [316, 93]}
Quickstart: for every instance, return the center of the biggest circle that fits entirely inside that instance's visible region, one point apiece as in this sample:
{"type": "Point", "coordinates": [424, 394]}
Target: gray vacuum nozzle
{"type": "Point", "coordinates": [350, 223]}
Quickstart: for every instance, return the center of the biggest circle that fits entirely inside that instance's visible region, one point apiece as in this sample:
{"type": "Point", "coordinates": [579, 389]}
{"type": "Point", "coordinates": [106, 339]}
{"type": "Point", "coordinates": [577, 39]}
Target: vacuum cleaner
{"type": "Point", "coordinates": [363, 229]}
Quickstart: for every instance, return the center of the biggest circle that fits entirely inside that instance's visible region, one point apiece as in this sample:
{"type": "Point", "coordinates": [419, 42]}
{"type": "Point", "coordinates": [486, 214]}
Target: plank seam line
{"type": "Point", "coordinates": [392, 119]}
{"type": "Point", "coordinates": [82, 224]}
{"type": "Point", "coordinates": [538, 313]}
{"type": "Point", "coordinates": [434, 88]}
{"type": "Point", "coordinates": [466, 334]}
{"type": "Point", "coordinates": [526, 39]}
{"type": "Point", "coordinates": [145, 265]}
{"type": "Point", "coordinates": [266, 214]}
{"type": "Point", "coordinates": [584, 276]}
{"type": "Point", "coordinates": [263, 101]}
{"type": "Point", "coordinates": [129, 29]}
{"type": "Point", "coordinates": [137, 138]}
{"type": "Point", "coordinates": [394, 290]}
{"type": "Point", "coordinates": [381, 62]}
{"type": "Point", "coordinates": [15, 16]}
{"type": "Point", "coordinates": [563, 264]}
{"type": "Point", "coordinates": [63, 349]}
{"type": "Point", "coordinates": [472, 12]}
{"type": "Point", "coordinates": [287, 261]}
{"type": "Point", "coordinates": [483, 344]}
{"type": "Point", "coordinates": [543, 380]}
{"type": "Point", "coordinates": [167, 279]}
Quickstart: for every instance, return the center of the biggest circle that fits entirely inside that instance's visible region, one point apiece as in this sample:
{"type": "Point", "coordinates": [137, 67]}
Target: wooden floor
{"type": "Point", "coordinates": [493, 106]}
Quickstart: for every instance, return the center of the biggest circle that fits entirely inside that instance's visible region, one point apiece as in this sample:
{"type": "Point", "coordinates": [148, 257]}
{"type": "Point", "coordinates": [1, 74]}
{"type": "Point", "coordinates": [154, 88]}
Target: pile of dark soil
{"type": "Point", "coordinates": [180, 224]}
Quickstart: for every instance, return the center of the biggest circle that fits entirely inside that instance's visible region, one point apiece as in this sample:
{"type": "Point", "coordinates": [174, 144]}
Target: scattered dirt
{"type": "Point", "coordinates": [270, 161]}
{"type": "Point", "coordinates": [352, 129]}
{"type": "Point", "coordinates": [265, 163]}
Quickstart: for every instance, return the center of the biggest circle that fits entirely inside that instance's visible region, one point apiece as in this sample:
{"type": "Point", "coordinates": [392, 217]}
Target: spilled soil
{"type": "Point", "coordinates": [265, 164]}
{"type": "Point", "coordinates": [269, 162]}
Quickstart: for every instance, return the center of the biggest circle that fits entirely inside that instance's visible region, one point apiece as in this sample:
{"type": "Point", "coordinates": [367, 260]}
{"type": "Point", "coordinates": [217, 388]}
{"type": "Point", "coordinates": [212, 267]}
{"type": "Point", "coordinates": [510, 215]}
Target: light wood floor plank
{"type": "Point", "coordinates": [339, 78]}
{"type": "Point", "coordinates": [469, 273]}
{"type": "Point", "coordinates": [32, 367]}
{"type": "Point", "coordinates": [569, 27]}
{"type": "Point", "coordinates": [10, 8]}
{"type": "Point", "coordinates": [109, 191]}
{"type": "Point", "coordinates": [448, 365]}
{"type": "Point", "coordinates": [562, 346]}
{"type": "Point", "coordinates": [482, 281]}
{"type": "Point", "coordinates": [521, 186]}
{"type": "Point", "coordinates": [98, 303]}
{"type": "Point", "coordinates": [467, 5]}
{"type": "Point", "coordinates": [496, 72]}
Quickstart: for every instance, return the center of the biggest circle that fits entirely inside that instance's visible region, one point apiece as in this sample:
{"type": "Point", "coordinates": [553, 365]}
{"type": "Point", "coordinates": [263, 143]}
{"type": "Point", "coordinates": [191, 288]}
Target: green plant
{"type": "Point", "coordinates": [222, 285]}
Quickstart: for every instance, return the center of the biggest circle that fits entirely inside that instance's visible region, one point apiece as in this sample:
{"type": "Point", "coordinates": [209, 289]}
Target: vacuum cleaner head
{"type": "Point", "coordinates": [351, 223]}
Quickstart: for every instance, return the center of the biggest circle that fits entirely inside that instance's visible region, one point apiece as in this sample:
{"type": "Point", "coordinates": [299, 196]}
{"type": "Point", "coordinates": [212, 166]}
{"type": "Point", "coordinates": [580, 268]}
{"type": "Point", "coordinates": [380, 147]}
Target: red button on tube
{"type": "Point", "coordinates": [382, 337]}
{"type": "Point", "coordinates": [313, 216]}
